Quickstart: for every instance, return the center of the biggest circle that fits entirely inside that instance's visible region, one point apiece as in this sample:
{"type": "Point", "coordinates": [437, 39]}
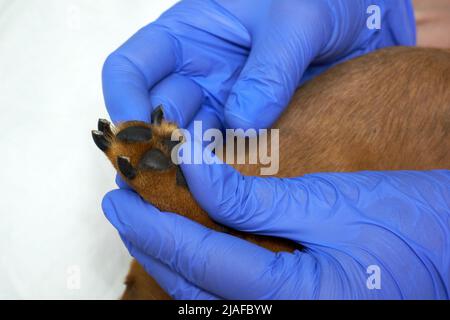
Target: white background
{"type": "Point", "coordinates": [52, 177]}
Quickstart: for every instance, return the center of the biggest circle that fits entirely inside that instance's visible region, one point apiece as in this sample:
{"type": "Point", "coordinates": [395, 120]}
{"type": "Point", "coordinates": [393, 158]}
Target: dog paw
{"type": "Point", "coordinates": [141, 152]}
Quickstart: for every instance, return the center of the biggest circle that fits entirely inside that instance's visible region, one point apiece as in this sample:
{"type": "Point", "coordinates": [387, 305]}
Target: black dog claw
{"type": "Point", "coordinates": [157, 116]}
{"type": "Point", "coordinates": [181, 180]}
{"type": "Point", "coordinates": [100, 140]}
{"type": "Point", "coordinates": [125, 167]}
{"type": "Point", "coordinates": [104, 126]}
{"type": "Point", "coordinates": [135, 134]}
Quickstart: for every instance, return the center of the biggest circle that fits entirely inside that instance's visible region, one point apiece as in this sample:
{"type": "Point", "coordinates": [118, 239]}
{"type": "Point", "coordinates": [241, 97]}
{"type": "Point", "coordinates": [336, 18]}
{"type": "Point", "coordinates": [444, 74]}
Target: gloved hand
{"type": "Point", "coordinates": [368, 235]}
{"type": "Point", "coordinates": [242, 59]}
{"type": "Point", "coordinates": [227, 64]}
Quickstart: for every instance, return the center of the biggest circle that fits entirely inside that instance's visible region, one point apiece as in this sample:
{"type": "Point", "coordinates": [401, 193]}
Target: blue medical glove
{"type": "Point", "coordinates": [368, 235]}
{"type": "Point", "coordinates": [242, 59]}
{"type": "Point", "coordinates": [228, 64]}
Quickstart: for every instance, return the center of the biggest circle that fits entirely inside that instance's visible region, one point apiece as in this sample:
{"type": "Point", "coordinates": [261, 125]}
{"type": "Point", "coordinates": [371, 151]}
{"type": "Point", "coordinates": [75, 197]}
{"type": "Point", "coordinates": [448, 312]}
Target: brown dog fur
{"type": "Point", "coordinates": [389, 110]}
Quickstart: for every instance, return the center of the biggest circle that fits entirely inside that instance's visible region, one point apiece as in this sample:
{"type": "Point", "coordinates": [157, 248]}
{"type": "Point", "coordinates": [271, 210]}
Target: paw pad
{"type": "Point", "coordinates": [135, 134]}
{"type": "Point", "coordinates": [138, 148]}
{"type": "Point", "coordinates": [155, 160]}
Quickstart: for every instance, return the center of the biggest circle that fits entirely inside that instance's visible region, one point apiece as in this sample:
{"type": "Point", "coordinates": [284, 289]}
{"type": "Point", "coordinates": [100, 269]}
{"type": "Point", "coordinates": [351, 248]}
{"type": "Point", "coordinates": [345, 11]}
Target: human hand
{"type": "Point", "coordinates": [241, 64]}
{"type": "Point", "coordinates": [393, 223]}
{"type": "Point", "coordinates": [203, 69]}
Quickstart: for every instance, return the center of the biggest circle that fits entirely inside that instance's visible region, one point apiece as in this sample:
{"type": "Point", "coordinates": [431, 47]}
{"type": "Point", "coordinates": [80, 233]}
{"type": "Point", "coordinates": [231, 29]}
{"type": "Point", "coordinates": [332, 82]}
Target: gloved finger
{"type": "Point", "coordinates": [243, 203]}
{"type": "Point", "coordinates": [132, 70]}
{"type": "Point", "coordinates": [180, 97]}
{"type": "Point", "coordinates": [251, 204]}
{"type": "Point", "coordinates": [280, 54]}
{"type": "Point", "coordinates": [234, 202]}
{"type": "Point", "coordinates": [172, 283]}
{"type": "Point", "coordinates": [262, 91]}
{"type": "Point", "coordinates": [219, 263]}
{"type": "Point", "coordinates": [208, 117]}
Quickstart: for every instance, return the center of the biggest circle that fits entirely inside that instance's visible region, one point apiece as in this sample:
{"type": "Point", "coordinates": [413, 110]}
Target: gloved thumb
{"type": "Point", "coordinates": [262, 91]}
{"type": "Point", "coordinates": [278, 59]}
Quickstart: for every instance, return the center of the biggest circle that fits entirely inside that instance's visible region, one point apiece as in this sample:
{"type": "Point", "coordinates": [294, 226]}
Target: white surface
{"type": "Point", "coordinates": [52, 177]}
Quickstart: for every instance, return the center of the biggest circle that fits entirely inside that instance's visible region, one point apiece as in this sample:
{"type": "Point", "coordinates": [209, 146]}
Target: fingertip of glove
{"type": "Point", "coordinates": [236, 121]}
{"type": "Point", "coordinates": [239, 114]}
{"type": "Point", "coordinates": [109, 208]}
